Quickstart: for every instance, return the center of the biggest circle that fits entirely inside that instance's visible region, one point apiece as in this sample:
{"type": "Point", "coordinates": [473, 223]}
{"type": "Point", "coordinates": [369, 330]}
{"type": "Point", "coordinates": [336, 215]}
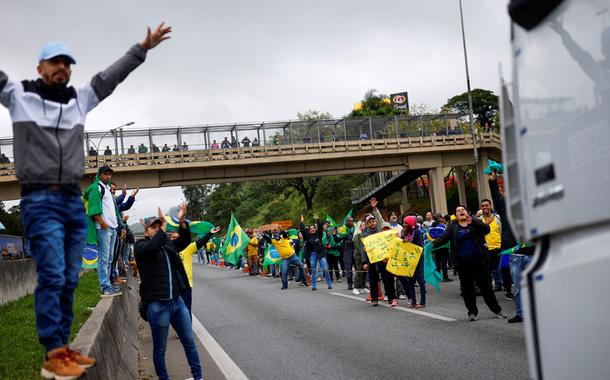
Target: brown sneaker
{"type": "Point", "coordinates": [80, 359]}
{"type": "Point", "coordinates": [59, 366]}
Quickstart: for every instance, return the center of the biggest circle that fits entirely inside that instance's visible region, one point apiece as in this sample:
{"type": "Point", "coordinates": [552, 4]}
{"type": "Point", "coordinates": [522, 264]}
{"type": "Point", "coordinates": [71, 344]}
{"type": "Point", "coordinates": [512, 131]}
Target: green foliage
{"type": "Point", "coordinates": [375, 104]}
{"type": "Point", "coordinates": [11, 220]}
{"type": "Point", "coordinates": [485, 105]}
{"type": "Point", "coordinates": [312, 115]}
{"type": "Point", "coordinates": [19, 346]}
{"type": "Point", "coordinates": [258, 203]}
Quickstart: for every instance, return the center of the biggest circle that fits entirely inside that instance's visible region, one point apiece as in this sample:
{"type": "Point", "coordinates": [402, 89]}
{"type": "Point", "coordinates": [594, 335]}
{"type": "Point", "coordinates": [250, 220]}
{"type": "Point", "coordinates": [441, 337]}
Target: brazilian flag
{"type": "Point", "coordinates": [293, 234]}
{"type": "Point", "coordinates": [272, 256]}
{"type": "Point", "coordinates": [89, 256]}
{"type": "Point", "coordinates": [349, 215]}
{"type": "Point", "coordinates": [197, 227]}
{"type": "Point", "coordinates": [331, 221]}
{"type": "Point", "coordinates": [235, 243]}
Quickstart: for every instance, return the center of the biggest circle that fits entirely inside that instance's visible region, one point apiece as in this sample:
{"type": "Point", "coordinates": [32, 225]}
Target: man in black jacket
{"type": "Point", "coordinates": [163, 278]}
{"type": "Point", "coordinates": [469, 252]}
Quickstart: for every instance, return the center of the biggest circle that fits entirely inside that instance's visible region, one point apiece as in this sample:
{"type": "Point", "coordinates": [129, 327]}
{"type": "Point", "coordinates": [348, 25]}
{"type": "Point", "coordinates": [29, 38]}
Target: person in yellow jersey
{"type": "Point", "coordinates": [285, 248]}
{"type": "Point", "coordinates": [494, 242]}
{"type": "Point", "coordinates": [186, 255]}
{"type": "Point", "coordinates": [252, 252]}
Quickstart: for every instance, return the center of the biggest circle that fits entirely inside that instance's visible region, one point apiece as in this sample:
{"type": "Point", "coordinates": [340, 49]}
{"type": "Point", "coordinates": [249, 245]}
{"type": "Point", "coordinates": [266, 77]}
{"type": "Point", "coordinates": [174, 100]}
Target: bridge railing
{"type": "Point", "coordinates": [192, 156]}
{"type": "Point", "coordinates": [244, 135]}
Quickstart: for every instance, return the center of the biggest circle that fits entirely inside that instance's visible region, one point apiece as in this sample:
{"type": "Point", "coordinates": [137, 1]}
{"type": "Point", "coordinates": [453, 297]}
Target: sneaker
{"type": "Point", "coordinates": [339, 280]}
{"type": "Point", "coordinates": [330, 287]}
{"type": "Point", "coordinates": [402, 297]}
{"type": "Point", "coordinates": [284, 287]}
{"type": "Point", "coordinates": [420, 306]}
{"type": "Point", "coordinates": [473, 317]}
{"type": "Point", "coordinates": [313, 288]}
{"type": "Point", "coordinates": [509, 296]}
{"type": "Point", "coordinates": [82, 360]}
{"type": "Point", "coordinates": [516, 319]}
{"type": "Point", "coordinates": [375, 303]}
{"type": "Point", "coordinates": [304, 283]}
{"type": "Point", "coordinates": [58, 365]}
{"type": "Point", "coordinates": [501, 315]}
{"type": "Point", "coordinates": [355, 291]}
{"type": "Point", "coordinates": [110, 293]}
{"type": "Point", "coordinates": [365, 290]}
{"type": "Point", "coordinates": [394, 303]}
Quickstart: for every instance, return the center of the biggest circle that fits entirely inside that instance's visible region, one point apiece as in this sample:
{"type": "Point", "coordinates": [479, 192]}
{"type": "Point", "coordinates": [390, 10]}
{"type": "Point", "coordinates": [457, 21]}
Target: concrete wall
{"type": "Point", "coordinates": [17, 279]}
{"type": "Point", "coordinates": [111, 336]}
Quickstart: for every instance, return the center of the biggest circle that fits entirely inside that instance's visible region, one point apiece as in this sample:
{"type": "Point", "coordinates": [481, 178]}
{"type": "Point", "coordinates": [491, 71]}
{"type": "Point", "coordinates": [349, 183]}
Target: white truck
{"type": "Point", "coordinates": [556, 130]}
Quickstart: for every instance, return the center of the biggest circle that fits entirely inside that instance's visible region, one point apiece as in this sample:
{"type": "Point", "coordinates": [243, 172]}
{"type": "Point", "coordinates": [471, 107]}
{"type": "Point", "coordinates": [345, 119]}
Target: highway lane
{"type": "Point", "coordinates": [328, 334]}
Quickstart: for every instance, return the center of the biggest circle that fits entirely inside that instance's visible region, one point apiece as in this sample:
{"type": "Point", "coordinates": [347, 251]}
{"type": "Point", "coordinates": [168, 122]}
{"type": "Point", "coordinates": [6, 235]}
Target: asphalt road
{"type": "Point", "coordinates": [331, 334]}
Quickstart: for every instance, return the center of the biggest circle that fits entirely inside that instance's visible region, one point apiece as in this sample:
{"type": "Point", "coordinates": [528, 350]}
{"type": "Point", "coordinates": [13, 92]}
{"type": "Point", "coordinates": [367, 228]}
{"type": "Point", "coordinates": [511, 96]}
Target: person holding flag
{"type": "Point", "coordinates": [284, 246]}
{"type": "Point", "coordinates": [252, 250]}
{"type": "Point", "coordinates": [235, 243]}
{"type": "Point", "coordinates": [163, 279]}
{"type": "Point", "coordinates": [186, 255]}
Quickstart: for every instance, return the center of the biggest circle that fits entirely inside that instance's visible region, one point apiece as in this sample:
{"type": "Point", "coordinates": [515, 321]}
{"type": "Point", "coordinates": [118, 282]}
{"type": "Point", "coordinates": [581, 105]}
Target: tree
{"type": "Point", "coordinates": [11, 220]}
{"type": "Point", "coordinates": [374, 104]}
{"type": "Point", "coordinates": [312, 115]}
{"type": "Point", "coordinates": [485, 105]}
{"type": "Point", "coordinates": [198, 198]}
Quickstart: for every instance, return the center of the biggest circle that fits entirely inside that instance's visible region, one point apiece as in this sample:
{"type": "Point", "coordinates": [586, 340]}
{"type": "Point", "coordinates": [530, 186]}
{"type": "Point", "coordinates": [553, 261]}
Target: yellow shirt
{"type": "Point", "coordinates": [186, 255]}
{"type": "Point", "coordinates": [252, 247]}
{"type": "Point", "coordinates": [284, 247]}
{"type": "Point", "coordinates": [494, 237]}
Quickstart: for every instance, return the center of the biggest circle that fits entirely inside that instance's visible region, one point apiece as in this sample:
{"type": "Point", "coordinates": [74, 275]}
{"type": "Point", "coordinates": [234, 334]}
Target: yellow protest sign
{"type": "Point", "coordinates": [404, 259]}
{"type": "Point", "coordinates": [379, 246]}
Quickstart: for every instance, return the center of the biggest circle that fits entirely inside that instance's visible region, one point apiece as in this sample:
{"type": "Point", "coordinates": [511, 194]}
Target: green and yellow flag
{"type": "Point", "coordinates": [272, 256]}
{"type": "Point", "coordinates": [331, 221]}
{"type": "Point", "coordinates": [235, 242]}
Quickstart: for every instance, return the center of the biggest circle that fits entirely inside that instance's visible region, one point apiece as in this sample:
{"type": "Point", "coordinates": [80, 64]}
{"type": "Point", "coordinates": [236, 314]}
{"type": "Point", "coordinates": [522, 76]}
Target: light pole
{"type": "Point", "coordinates": [97, 147]}
{"type": "Point", "coordinates": [470, 113]}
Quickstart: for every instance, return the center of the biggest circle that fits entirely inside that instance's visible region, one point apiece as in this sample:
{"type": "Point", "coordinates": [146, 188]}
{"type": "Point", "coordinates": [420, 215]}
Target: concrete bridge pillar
{"type": "Point", "coordinates": [438, 195]}
{"type": "Point", "coordinates": [485, 192]}
{"type": "Point", "coordinates": [404, 205]}
{"type": "Point", "coordinates": [461, 184]}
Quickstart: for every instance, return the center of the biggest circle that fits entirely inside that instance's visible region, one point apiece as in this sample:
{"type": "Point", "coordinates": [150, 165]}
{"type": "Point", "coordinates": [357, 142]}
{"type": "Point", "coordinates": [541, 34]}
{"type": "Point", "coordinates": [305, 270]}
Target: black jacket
{"type": "Point", "coordinates": [478, 230]}
{"type": "Point", "coordinates": [162, 274]}
{"type": "Point", "coordinates": [313, 241]}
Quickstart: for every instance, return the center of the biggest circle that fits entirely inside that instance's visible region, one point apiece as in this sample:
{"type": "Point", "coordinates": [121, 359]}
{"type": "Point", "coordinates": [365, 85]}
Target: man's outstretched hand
{"type": "Point", "coordinates": [154, 38]}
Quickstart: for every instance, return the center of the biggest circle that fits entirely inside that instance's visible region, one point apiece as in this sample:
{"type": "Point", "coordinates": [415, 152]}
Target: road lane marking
{"type": "Point", "coordinates": [401, 308]}
{"type": "Point", "coordinates": [224, 362]}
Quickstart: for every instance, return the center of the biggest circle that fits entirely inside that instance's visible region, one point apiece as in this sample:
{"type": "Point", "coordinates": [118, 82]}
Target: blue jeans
{"type": "Point", "coordinates": [56, 227]}
{"type": "Point", "coordinates": [105, 248]}
{"type": "Point", "coordinates": [160, 315]}
{"type": "Point", "coordinates": [313, 263]}
{"type": "Point", "coordinates": [294, 259]}
{"type": "Point", "coordinates": [418, 277]}
{"type": "Point", "coordinates": [517, 264]}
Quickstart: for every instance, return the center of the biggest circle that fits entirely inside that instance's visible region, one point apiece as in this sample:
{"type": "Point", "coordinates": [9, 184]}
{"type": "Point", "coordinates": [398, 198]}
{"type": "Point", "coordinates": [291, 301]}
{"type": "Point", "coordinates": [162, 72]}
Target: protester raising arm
{"type": "Point", "coordinates": [200, 243]}
{"type": "Point", "coordinates": [185, 234]}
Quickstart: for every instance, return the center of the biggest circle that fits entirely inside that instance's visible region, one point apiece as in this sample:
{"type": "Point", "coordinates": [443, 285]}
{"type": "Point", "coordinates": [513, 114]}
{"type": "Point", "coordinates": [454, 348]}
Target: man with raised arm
{"type": "Point", "coordinates": [48, 127]}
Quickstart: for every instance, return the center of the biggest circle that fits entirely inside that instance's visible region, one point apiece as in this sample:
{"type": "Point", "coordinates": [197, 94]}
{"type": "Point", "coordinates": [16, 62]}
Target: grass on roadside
{"type": "Point", "coordinates": [21, 353]}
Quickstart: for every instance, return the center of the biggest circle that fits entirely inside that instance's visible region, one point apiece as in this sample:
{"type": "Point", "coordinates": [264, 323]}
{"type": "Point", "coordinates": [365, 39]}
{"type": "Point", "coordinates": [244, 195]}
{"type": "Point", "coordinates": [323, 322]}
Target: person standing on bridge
{"type": "Point", "coordinates": [48, 123]}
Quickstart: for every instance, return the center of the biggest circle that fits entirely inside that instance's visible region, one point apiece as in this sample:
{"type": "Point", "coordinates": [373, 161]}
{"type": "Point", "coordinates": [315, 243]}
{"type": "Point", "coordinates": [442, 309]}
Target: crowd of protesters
{"type": "Point", "coordinates": [472, 246]}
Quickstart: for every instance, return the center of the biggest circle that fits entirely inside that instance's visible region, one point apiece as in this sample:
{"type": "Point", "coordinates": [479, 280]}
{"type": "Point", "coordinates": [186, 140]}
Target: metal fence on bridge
{"type": "Point", "coordinates": [243, 135]}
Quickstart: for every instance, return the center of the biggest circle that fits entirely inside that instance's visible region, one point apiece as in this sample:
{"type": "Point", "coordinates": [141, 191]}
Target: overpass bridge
{"type": "Point", "coordinates": [289, 149]}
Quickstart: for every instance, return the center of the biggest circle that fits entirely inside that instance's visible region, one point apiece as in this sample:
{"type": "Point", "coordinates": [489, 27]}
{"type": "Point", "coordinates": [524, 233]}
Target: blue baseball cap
{"type": "Point", "coordinates": [55, 49]}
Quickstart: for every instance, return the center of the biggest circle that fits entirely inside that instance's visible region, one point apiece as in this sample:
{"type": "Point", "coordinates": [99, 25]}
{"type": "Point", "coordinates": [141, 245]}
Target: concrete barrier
{"type": "Point", "coordinates": [17, 279]}
{"type": "Point", "coordinates": [111, 333]}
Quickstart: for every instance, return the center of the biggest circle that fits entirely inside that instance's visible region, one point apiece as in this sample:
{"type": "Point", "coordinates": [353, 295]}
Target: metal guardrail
{"type": "Point", "coordinates": [168, 160]}
{"type": "Point", "coordinates": [243, 135]}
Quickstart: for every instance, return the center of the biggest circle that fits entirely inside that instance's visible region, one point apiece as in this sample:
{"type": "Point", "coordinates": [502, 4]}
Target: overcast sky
{"type": "Point", "coordinates": [237, 61]}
